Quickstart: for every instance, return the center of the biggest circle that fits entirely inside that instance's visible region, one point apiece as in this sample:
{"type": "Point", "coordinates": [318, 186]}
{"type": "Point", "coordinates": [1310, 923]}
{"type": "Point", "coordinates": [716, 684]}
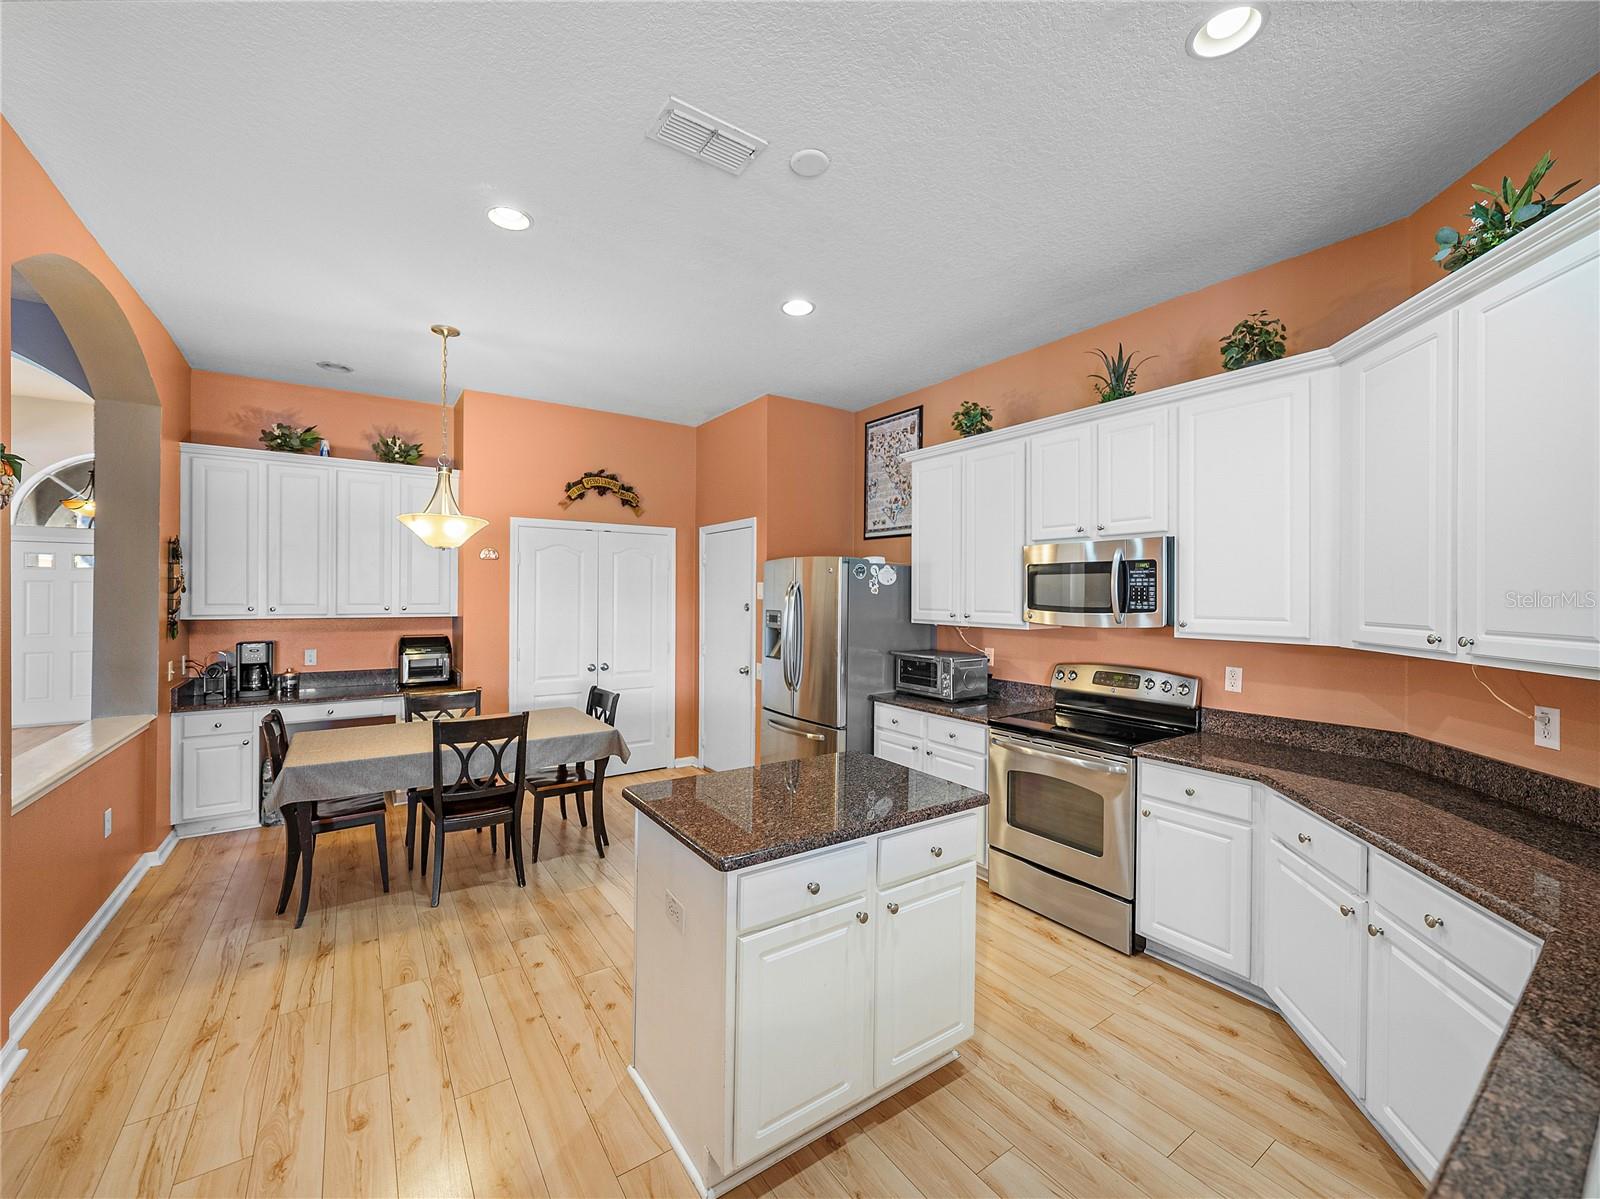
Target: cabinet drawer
{"type": "Point", "coordinates": [928, 847]}
{"type": "Point", "coordinates": [1313, 838]}
{"type": "Point", "coordinates": [962, 734]}
{"type": "Point", "coordinates": [215, 724]}
{"type": "Point", "coordinates": [353, 709]}
{"type": "Point", "coordinates": [810, 884]}
{"type": "Point", "coordinates": [1196, 789]}
{"type": "Point", "coordinates": [1497, 953]}
{"type": "Point", "coordinates": [901, 720]}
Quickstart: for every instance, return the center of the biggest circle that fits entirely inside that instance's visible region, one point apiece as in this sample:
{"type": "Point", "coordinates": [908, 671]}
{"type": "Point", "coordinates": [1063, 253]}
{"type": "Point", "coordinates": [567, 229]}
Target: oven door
{"type": "Point", "coordinates": [918, 674]}
{"type": "Point", "coordinates": [1098, 584]}
{"type": "Point", "coordinates": [1068, 810]}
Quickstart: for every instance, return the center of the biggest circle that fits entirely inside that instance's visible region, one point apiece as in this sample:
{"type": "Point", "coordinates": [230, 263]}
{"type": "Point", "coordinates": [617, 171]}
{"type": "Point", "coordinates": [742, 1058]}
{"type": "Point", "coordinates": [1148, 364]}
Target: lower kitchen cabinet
{"type": "Point", "coordinates": [217, 777]}
{"type": "Point", "coordinates": [804, 1026]}
{"type": "Point", "coordinates": [898, 747]}
{"type": "Point", "coordinates": [1314, 941]}
{"type": "Point", "coordinates": [956, 751]}
{"type": "Point", "coordinates": [925, 996]}
{"type": "Point", "coordinates": [1193, 884]}
{"type": "Point", "coordinates": [1431, 1030]}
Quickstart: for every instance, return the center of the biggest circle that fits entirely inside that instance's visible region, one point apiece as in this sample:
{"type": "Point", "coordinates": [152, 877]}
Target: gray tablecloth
{"type": "Point", "coordinates": [336, 763]}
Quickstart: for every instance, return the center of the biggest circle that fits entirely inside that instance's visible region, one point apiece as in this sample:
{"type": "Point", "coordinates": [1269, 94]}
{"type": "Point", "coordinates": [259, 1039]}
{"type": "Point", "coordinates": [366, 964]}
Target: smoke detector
{"type": "Point", "coordinates": [700, 135]}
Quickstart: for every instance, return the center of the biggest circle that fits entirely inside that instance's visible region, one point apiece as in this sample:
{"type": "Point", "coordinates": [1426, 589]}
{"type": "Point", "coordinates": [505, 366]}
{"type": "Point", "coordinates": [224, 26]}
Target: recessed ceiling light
{"type": "Point", "coordinates": [510, 218]}
{"type": "Point", "coordinates": [808, 164]}
{"type": "Point", "coordinates": [798, 307]}
{"type": "Point", "coordinates": [1225, 32]}
{"type": "Point", "coordinates": [337, 368]}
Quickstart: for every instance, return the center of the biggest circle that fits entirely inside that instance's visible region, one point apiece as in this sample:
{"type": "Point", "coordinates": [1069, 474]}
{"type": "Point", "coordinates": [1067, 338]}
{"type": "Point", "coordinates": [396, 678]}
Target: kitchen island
{"type": "Point", "coordinates": [804, 946]}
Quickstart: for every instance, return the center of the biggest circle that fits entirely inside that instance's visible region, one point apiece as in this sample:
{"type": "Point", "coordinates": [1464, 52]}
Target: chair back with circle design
{"type": "Point", "coordinates": [444, 705]}
{"type": "Point", "coordinates": [479, 760]}
{"type": "Point", "coordinates": [602, 705]}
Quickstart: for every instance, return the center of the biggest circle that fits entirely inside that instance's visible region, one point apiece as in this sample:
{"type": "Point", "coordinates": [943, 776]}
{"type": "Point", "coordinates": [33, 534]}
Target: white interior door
{"type": "Point", "coordinates": [727, 645]}
{"type": "Point", "coordinates": [635, 642]}
{"type": "Point", "coordinates": [554, 655]}
{"type": "Point", "coordinates": [52, 631]}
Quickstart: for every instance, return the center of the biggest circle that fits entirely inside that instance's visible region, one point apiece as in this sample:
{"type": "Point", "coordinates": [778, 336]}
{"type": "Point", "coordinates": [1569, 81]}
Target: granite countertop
{"type": "Point", "coordinates": [1005, 698]}
{"type": "Point", "coordinates": [316, 687]}
{"type": "Point", "coordinates": [1523, 845]}
{"type": "Point", "coordinates": [738, 818]}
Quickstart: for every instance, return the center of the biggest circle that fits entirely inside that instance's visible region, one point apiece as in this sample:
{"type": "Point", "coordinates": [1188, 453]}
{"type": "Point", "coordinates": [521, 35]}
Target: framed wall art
{"type": "Point", "coordinates": [887, 478]}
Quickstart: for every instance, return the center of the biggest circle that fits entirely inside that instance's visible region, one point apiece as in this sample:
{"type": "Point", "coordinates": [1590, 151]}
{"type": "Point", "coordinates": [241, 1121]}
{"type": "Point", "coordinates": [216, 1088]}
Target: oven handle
{"type": "Point", "coordinates": [1103, 765]}
{"type": "Point", "coordinates": [1117, 568]}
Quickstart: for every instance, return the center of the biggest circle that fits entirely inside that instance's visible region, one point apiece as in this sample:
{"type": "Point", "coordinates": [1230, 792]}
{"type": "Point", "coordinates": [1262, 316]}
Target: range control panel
{"type": "Point", "coordinates": [1128, 682]}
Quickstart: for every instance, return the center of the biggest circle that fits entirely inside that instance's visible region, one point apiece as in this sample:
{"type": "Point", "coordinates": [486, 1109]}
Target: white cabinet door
{"type": "Point", "coordinates": [937, 577]}
{"type": "Point", "coordinates": [956, 765]}
{"type": "Point", "coordinates": [1529, 493]}
{"type": "Point", "coordinates": [1244, 513]}
{"type": "Point", "coordinates": [1131, 474]}
{"type": "Point", "coordinates": [427, 583]}
{"type": "Point", "coordinates": [554, 626]}
{"type": "Point", "coordinates": [1431, 1030]}
{"type": "Point", "coordinates": [803, 1026]}
{"type": "Point", "coordinates": [1061, 484]}
{"type": "Point", "coordinates": [222, 504]}
{"type": "Point", "coordinates": [299, 540]}
{"type": "Point", "coordinates": [994, 497]}
{"type": "Point", "coordinates": [219, 776]}
{"type": "Point", "coordinates": [364, 543]}
{"type": "Point", "coordinates": [1398, 413]}
{"type": "Point", "coordinates": [634, 573]}
{"type": "Point", "coordinates": [1194, 884]}
{"type": "Point", "coordinates": [899, 748]}
{"type": "Point", "coordinates": [926, 938]}
{"type": "Point", "coordinates": [1315, 970]}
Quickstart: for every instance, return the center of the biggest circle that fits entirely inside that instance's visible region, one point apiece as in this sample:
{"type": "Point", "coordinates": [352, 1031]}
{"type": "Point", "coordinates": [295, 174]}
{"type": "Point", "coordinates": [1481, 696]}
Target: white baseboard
{"type": "Point", "coordinates": [689, 761]}
{"type": "Point", "coordinates": [45, 989]}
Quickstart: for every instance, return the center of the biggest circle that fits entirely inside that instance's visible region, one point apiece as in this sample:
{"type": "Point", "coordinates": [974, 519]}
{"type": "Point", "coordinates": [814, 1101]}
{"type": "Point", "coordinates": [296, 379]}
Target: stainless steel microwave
{"type": "Point", "coordinates": [1124, 584]}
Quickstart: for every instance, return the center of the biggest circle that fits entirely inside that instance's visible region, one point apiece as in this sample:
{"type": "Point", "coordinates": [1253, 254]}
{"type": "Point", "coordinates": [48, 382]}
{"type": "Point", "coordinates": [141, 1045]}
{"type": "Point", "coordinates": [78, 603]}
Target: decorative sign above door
{"type": "Point", "coordinates": [599, 480]}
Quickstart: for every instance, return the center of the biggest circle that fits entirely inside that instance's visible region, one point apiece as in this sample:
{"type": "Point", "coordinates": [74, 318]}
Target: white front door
{"type": "Point", "coordinates": [554, 614]}
{"type": "Point", "coordinates": [727, 645]}
{"type": "Point", "coordinates": [52, 630]}
{"type": "Point", "coordinates": [636, 642]}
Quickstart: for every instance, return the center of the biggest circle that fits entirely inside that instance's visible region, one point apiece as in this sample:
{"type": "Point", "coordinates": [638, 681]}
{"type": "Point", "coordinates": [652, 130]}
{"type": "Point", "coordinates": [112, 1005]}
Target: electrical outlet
{"type": "Point", "coordinates": [311, 657]}
{"type": "Point", "coordinates": [674, 911]}
{"type": "Point", "coordinates": [107, 831]}
{"type": "Point", "coordinates": [1547, 728]}
{"type": "Point", "coordinates": [988, 652]}
{"type": "Point", "coordinates": [1233, 680]}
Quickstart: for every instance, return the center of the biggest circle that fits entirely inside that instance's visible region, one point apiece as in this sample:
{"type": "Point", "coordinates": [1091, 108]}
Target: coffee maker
{"type": "Point", "coordinates": [253, 669]}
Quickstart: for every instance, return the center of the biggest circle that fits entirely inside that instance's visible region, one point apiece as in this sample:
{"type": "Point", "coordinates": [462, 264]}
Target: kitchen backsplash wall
{"type": "Point", "coordinates": [364, 644]}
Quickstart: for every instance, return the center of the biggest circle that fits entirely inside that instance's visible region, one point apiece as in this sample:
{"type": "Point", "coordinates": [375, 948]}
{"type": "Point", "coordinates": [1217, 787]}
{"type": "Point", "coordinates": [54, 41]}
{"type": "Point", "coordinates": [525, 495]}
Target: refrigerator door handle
{"type": "Point", "coordinates": [785, 635]}
{"type": "Point", "coordinates": [794, 730]}
{"type": "Point", "coordinates": [799, 635]}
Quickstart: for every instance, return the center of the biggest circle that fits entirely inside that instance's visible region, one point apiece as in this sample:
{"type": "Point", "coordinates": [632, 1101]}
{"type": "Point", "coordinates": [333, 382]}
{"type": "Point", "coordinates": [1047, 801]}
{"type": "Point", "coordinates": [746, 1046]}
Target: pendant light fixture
{"type": "Point", "coordinates": [442, 524]}
{"type": "Point", "coordinates": [81, 503]}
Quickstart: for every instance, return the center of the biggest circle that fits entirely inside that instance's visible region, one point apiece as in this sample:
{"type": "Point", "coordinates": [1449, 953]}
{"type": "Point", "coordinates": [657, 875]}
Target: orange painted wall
{"type": "Point", "coordinates": [54, 847]}
{"type": "Point", "coordinates": [364, 644]}
{"type": "Point", "coordinates": [521, 453]}
{"type": "Point", "coordinates": [1322, 296]}
{"type": "Point", "coordinates": [731, 475]}
{"type": "Point", "coordinates": [811, 504]}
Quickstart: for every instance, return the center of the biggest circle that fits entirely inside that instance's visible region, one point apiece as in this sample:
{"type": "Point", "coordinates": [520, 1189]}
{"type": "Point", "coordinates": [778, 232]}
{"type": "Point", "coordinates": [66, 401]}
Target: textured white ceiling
{"type": "Point", "coordinates": [288, 182]}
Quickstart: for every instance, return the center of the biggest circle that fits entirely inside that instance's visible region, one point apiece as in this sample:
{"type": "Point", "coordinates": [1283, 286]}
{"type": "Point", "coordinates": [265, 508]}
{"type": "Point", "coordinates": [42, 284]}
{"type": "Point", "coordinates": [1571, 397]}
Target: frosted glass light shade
{"type": "Point", "coordinates": [442, 524]}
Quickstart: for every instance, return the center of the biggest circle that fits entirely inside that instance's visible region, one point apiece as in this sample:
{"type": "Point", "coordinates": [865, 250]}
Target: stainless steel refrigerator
{"type": "Point", "coordinates": [828, 631]}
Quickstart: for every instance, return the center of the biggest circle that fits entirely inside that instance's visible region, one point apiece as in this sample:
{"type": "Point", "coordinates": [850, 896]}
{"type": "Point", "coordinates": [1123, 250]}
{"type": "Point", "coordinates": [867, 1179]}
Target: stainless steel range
{"type": "Point", "coordinates": [1061, 793]}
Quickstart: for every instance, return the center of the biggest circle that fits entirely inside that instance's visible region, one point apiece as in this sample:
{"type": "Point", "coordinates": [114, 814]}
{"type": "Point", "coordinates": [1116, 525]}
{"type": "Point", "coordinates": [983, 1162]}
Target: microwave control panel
{"type": "Point", "coordinates": [1143, 595]}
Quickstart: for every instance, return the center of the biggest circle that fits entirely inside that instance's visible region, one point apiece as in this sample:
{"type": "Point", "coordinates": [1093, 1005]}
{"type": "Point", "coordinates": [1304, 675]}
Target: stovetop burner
{"type": "Point", "coordinates": [1111, 708]}
{"type": "Point", "coordinates": [1080, 728]}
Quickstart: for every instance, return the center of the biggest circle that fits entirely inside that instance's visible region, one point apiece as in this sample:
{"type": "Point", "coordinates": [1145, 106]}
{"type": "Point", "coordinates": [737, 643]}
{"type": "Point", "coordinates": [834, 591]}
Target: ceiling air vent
{"type": "Point", "coordinates": [701, 135]}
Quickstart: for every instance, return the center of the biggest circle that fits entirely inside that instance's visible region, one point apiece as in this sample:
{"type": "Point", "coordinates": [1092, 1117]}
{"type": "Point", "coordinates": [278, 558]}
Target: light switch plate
{"type": "Point", "coordinates": [311, 657]}
{"type": "Point", "coordinates": [107, 831]}
{"type": "Point", "coordinates": [1547, 728]}
{"type": "Point", "coordinates": [1233, 680]}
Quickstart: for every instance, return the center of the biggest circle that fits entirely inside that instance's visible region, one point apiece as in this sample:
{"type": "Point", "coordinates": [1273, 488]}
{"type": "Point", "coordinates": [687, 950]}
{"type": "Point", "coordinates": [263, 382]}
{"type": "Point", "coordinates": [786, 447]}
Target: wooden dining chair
{"type": "Point", "coordinates": [303, 823]}
{"type": "Point", "coordinates": [479, 774]}
{"type": "Point", "coordinates": [435, 705]}
{"type": "Point", "coordinates": [580, 780]}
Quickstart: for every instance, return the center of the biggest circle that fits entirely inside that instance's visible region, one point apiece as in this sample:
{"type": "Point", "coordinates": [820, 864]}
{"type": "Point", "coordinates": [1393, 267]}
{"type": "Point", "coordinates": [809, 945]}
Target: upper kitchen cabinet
{"type": "Point", "coordinates": [275, 536]}
{"type": "Point", "coordinates": [1398, 416]}
{"type": "Point", "coordinates": [1529, 492]}
{"type": "Point", "coordinates": [967, 532]}
{"type": "Point", "coordinates": [1105, 477]}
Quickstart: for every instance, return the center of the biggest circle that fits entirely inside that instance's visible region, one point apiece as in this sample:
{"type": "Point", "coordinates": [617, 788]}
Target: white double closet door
{"type": "Point", "coordinates": [593, 605]}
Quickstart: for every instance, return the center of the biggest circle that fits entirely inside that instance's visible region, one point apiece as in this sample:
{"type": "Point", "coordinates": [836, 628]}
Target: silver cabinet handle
{"type": "Point", "coordinates": [744, 670]}
{"type": "Point", "coordinates": [386, 607]}
{"type": "Point", "coordinates": [936, 850]}
{"type": "Point", "coordinates": [402, 607]}
{"type": "Point", "coordinates": [862, 917]}
{"type": "Point", "coordinates": [1346, 910]}
{"type": "Point", "coordinates": [1100, 528]}
{"type": "Point", "coordinates": [1080, 528]}
{"type": "Point", "coordinates": [330, 711]}
{"type": "Point", "coordinates": [952, 736]}
{"type": "Point", "coordinates": [1146, 812]}
{"type": "Point", "coordinates": [605, 666]}
{"type": "Point", "coordinates": [1465, 642]}
{"type": "Point", "coordinates": [246, 741]}
{"type": "Point", "coordinates": [1303, 838]}
{"type": "Point", "coordinates": [894, 909]}
{"type": "Point", "coordinates": [218, 725]}
{"type": "Point", "coordinates": [929, 752]}
{"type": "Point", "coordinates": [1434, 638]}
{"type": "Point", "coordinates": [1374, 931]}
{"type": "Point", "coordinates": [966, 616]}
{"type": "Point", "coordinates": [249, 607]}
{"type": "Point", "coordinates": [952, 616]}
{"type": "Point", "coordinates": [894, 720]}
{"type": "Point", "coordinates": [1183, 624]}
{"type": "Point", "coordinates": [1188, 791]}
{"type": "Point", "coordinates": [813, 887]}
{"type": "Point", "coordinates": [1432, 921]}
{"type": "Point", "coordinates": [590, 668]}
{"type": "Point", "coordinates": [272, 607]}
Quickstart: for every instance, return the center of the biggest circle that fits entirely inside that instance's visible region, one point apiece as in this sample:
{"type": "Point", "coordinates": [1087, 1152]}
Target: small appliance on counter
{"type": "Point", "coordinates": [216, 683]}
{"type": "Point", "coordinates": [946, 675]}
{"type": "Point", "coordinates": [253, 669]}
{"type": "Point", "coordinates": [288, 684]}
{"type": "Point", "coordinates": [426, 662]}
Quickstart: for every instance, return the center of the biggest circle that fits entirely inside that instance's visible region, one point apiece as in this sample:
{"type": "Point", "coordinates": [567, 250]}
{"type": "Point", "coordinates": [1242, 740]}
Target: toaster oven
{"type": "Point", "coordinates": [426, 662]}
{"type": "Point", "coordinates": [941, 674]}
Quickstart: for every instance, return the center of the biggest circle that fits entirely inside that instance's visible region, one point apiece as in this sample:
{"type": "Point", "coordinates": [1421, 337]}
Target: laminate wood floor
{"type": "Point", "coordinates": [207, 1048]}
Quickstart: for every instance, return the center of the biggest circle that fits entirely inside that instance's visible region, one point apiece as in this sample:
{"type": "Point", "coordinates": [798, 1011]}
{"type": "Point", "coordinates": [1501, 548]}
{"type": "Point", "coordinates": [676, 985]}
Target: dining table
{"type": "Point", "coordinates": [329, 764]}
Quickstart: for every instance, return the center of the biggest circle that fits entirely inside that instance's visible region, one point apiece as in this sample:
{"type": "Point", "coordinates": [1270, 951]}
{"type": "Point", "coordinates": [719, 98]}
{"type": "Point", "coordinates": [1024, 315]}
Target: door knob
{"type": "Point", "coordinates": [744, 670]}
{"type": "Point", "coordinates": [591, 668]}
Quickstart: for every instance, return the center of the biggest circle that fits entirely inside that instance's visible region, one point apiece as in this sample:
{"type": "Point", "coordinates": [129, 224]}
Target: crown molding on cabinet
{"type": "Point", "coordinates": [330, 462]}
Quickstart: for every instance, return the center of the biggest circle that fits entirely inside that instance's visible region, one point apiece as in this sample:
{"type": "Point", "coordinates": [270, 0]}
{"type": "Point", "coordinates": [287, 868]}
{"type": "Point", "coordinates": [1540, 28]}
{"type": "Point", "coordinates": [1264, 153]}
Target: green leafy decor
{"type": "Point", "coordinates": [1121, 373]}
{"type": "Point", "coordinates": [396, 449]}
{"type": "Point", "coordinates": [972, 418]}
{"type": "Point", "coordinates": [1506, 213]}
{"type": "Point", "coordinates": [10, 474]}
{"type": "Point", "coordinates": [287, 439]}
{"type": "Point", "coordinates": [1257, 338]}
